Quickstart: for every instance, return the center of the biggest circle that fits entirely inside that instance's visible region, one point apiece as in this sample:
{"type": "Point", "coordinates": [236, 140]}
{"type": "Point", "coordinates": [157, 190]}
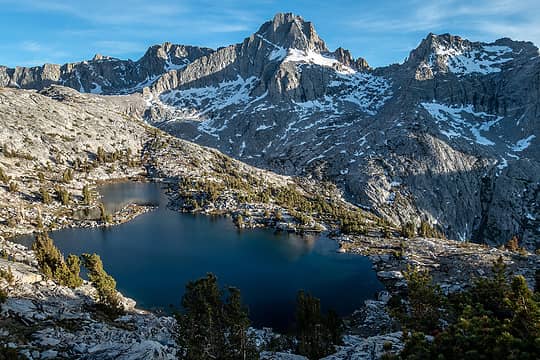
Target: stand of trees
{"type": "Point", "coordinates": [53, 265]}
{"type": "Point", "coordinates": [66, 272]}
{"type": "Point", "coordinates": [214, 324]}
{"type": "Point", "coordinates": [211, 325]}
{"type": "Point", "coordinates": [317, 334]}
{"type": "Point", "coordinates": [497, 318]}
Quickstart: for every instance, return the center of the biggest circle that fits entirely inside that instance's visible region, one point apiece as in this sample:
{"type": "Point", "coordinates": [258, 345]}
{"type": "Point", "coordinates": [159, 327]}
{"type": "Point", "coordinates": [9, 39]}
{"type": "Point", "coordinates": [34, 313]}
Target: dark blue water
{"type": "Point", "coordinates": [153, 256]}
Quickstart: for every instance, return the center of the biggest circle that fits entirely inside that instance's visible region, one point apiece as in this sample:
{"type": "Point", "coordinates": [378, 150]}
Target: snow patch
{"type": "Point", "coordinates": [96, 89]}
{"type": "Point", "coordinates": [366, 91]}
{"type": "Point", "coordinates": [459, 119]}
{"type": "Point", "coordinates": [503, 164]}
{"type": "Point", "coordinates": [201, 103]}
{"type": "Point", "coordinates": [264, 127]}
{"type": "Point", "coordinates": [522, 144]}
{"type": "Point", "coordinates": [464, 60]}
{"type": "Point", "coordinates": [277, 54]}
{"type": "Point", "coordinates": [315, 58]}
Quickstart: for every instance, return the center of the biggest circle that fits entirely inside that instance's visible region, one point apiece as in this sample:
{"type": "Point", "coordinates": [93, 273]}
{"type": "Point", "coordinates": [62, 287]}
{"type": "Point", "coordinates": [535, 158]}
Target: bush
{"type": "Point", "coordinates": [7, 353]}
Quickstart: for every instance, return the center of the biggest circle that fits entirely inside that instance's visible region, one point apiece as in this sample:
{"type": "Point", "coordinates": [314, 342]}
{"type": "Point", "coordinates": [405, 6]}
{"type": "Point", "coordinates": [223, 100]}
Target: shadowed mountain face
{"type": "Point", "coordinates": [449, 136]}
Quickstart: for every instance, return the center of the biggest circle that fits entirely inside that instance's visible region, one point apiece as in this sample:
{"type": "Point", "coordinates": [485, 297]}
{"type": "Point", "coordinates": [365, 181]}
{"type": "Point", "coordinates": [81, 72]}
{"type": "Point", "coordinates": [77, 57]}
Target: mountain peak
{"type": "Point", "coordinates": [433, 42]}
{"type": "Point", "coordinates": [451, 54]}
{"type": "Point", "coordinates": [98, 57]}
{"type": "Point", "coordinates": [292, 31]}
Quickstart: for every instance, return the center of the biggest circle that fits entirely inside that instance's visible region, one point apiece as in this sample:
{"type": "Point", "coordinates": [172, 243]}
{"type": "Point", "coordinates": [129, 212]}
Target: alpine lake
{"type": "Point", "coordinates": [153, 256]}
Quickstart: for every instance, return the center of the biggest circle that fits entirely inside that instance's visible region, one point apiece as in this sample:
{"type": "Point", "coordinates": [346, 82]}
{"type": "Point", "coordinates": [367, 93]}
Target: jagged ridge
{"type": "Point", "coordinates": [449, 136]}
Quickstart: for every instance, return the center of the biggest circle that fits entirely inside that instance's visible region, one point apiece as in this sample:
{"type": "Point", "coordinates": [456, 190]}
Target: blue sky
{"type": "Point", "coordinates": [384, 31]}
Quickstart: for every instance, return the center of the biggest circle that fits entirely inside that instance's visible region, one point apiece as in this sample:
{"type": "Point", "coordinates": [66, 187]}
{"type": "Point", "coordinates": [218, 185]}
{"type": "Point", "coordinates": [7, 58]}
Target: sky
{"type": "Point", "coordinates": [34, 32]}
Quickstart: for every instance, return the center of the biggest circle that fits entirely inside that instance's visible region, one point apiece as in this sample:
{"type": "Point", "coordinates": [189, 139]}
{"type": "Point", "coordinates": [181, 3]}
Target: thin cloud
{"type": "Point", "coordinates": [32, 46]}
{"type": "Point", "coordinates": [487, 20]}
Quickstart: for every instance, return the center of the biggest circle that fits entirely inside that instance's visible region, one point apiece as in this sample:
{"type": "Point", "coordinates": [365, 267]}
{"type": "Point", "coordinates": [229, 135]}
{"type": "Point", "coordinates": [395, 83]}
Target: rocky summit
{"type": "Point", "coordinates": [448, 137]}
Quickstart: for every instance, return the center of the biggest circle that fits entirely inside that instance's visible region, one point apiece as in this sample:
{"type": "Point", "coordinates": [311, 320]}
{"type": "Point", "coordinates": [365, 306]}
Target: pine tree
{"type": "Point", "coordinates": [537, 281]}
{"type": "Point", "coordinates": [3, 177]}
{"type": "Point", "coordinates": [316, 334]}
{"type": "Point", "coordinates": [408, 230]}
{"type": "Point", "coordinates": [513, 244]}
{"type": "Point", "coordinates": [101, 156]}
{"type": "Point", "coordinates": [103, 215]}
{"type": "Point", "coordinates": [425, 298]}
{"type": "Point", "coordinates": [63, 195]}
{"type": "Point", "coordinates": [87, 195]}
{"type": "Point", "coordinates": [67, 176]}
{"type": "Point", "coordinates": [240, 221]}
{"type": "Point", "coordinates": [497, 318]}
{"type": "Point", "coordinates": [13, 186]}
{"type": "Point", "coordinates": [52, 263]}
{"type": "Point", "coordinates": [104, 284]}
{"type": "Point", "coordinates": [211, 328]}
{"type": "Point", "coordinates": [236, 321]}
{"type": "Point", "coordinates": [201, 325]}
{"type": "Point", "coordinates": [45, 196]}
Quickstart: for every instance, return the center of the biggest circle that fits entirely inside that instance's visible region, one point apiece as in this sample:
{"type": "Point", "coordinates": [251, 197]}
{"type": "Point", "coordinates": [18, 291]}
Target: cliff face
{"type": "Point", "coordinates": [448, 137]}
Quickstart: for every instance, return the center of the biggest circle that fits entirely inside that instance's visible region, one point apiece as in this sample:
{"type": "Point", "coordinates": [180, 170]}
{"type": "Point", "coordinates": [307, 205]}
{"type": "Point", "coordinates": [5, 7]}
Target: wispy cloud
{"type": "Point", "coordinates": [40, 53]}
{"type": "Point", "coordinates": [383, 31]}
{"type": "Point", "coordinates": [162, 14]}
{"type": "Point", "coordinates": [487, 19]}
{"type": "Point", "coordinates": [32, 46]}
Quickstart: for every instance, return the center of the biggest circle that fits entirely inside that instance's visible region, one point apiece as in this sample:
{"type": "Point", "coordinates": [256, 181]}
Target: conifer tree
{"type": "Point", "coordinates": [45, 196]}
{"type": "Point", "coordinates": [211, 328]}
{"type": "Point", "coordinates": [52, 263]}
{"type": "Point", "coordinates": [87, 195]}
{"type": "Point", "coordinates": [103, 282]}
{"type": "Point", "coordinates": [317, 335]}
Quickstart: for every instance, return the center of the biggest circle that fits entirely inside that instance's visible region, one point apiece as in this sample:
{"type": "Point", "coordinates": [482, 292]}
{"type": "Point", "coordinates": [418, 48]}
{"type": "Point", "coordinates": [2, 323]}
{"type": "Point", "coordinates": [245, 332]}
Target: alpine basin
{"type": "Point", "coordinates": [153, 256]}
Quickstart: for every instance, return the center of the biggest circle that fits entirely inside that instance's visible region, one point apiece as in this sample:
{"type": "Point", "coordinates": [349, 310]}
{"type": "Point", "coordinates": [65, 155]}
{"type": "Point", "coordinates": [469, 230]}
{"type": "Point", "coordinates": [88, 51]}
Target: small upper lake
{"type": "Point", "coordinates": [153, 256]}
